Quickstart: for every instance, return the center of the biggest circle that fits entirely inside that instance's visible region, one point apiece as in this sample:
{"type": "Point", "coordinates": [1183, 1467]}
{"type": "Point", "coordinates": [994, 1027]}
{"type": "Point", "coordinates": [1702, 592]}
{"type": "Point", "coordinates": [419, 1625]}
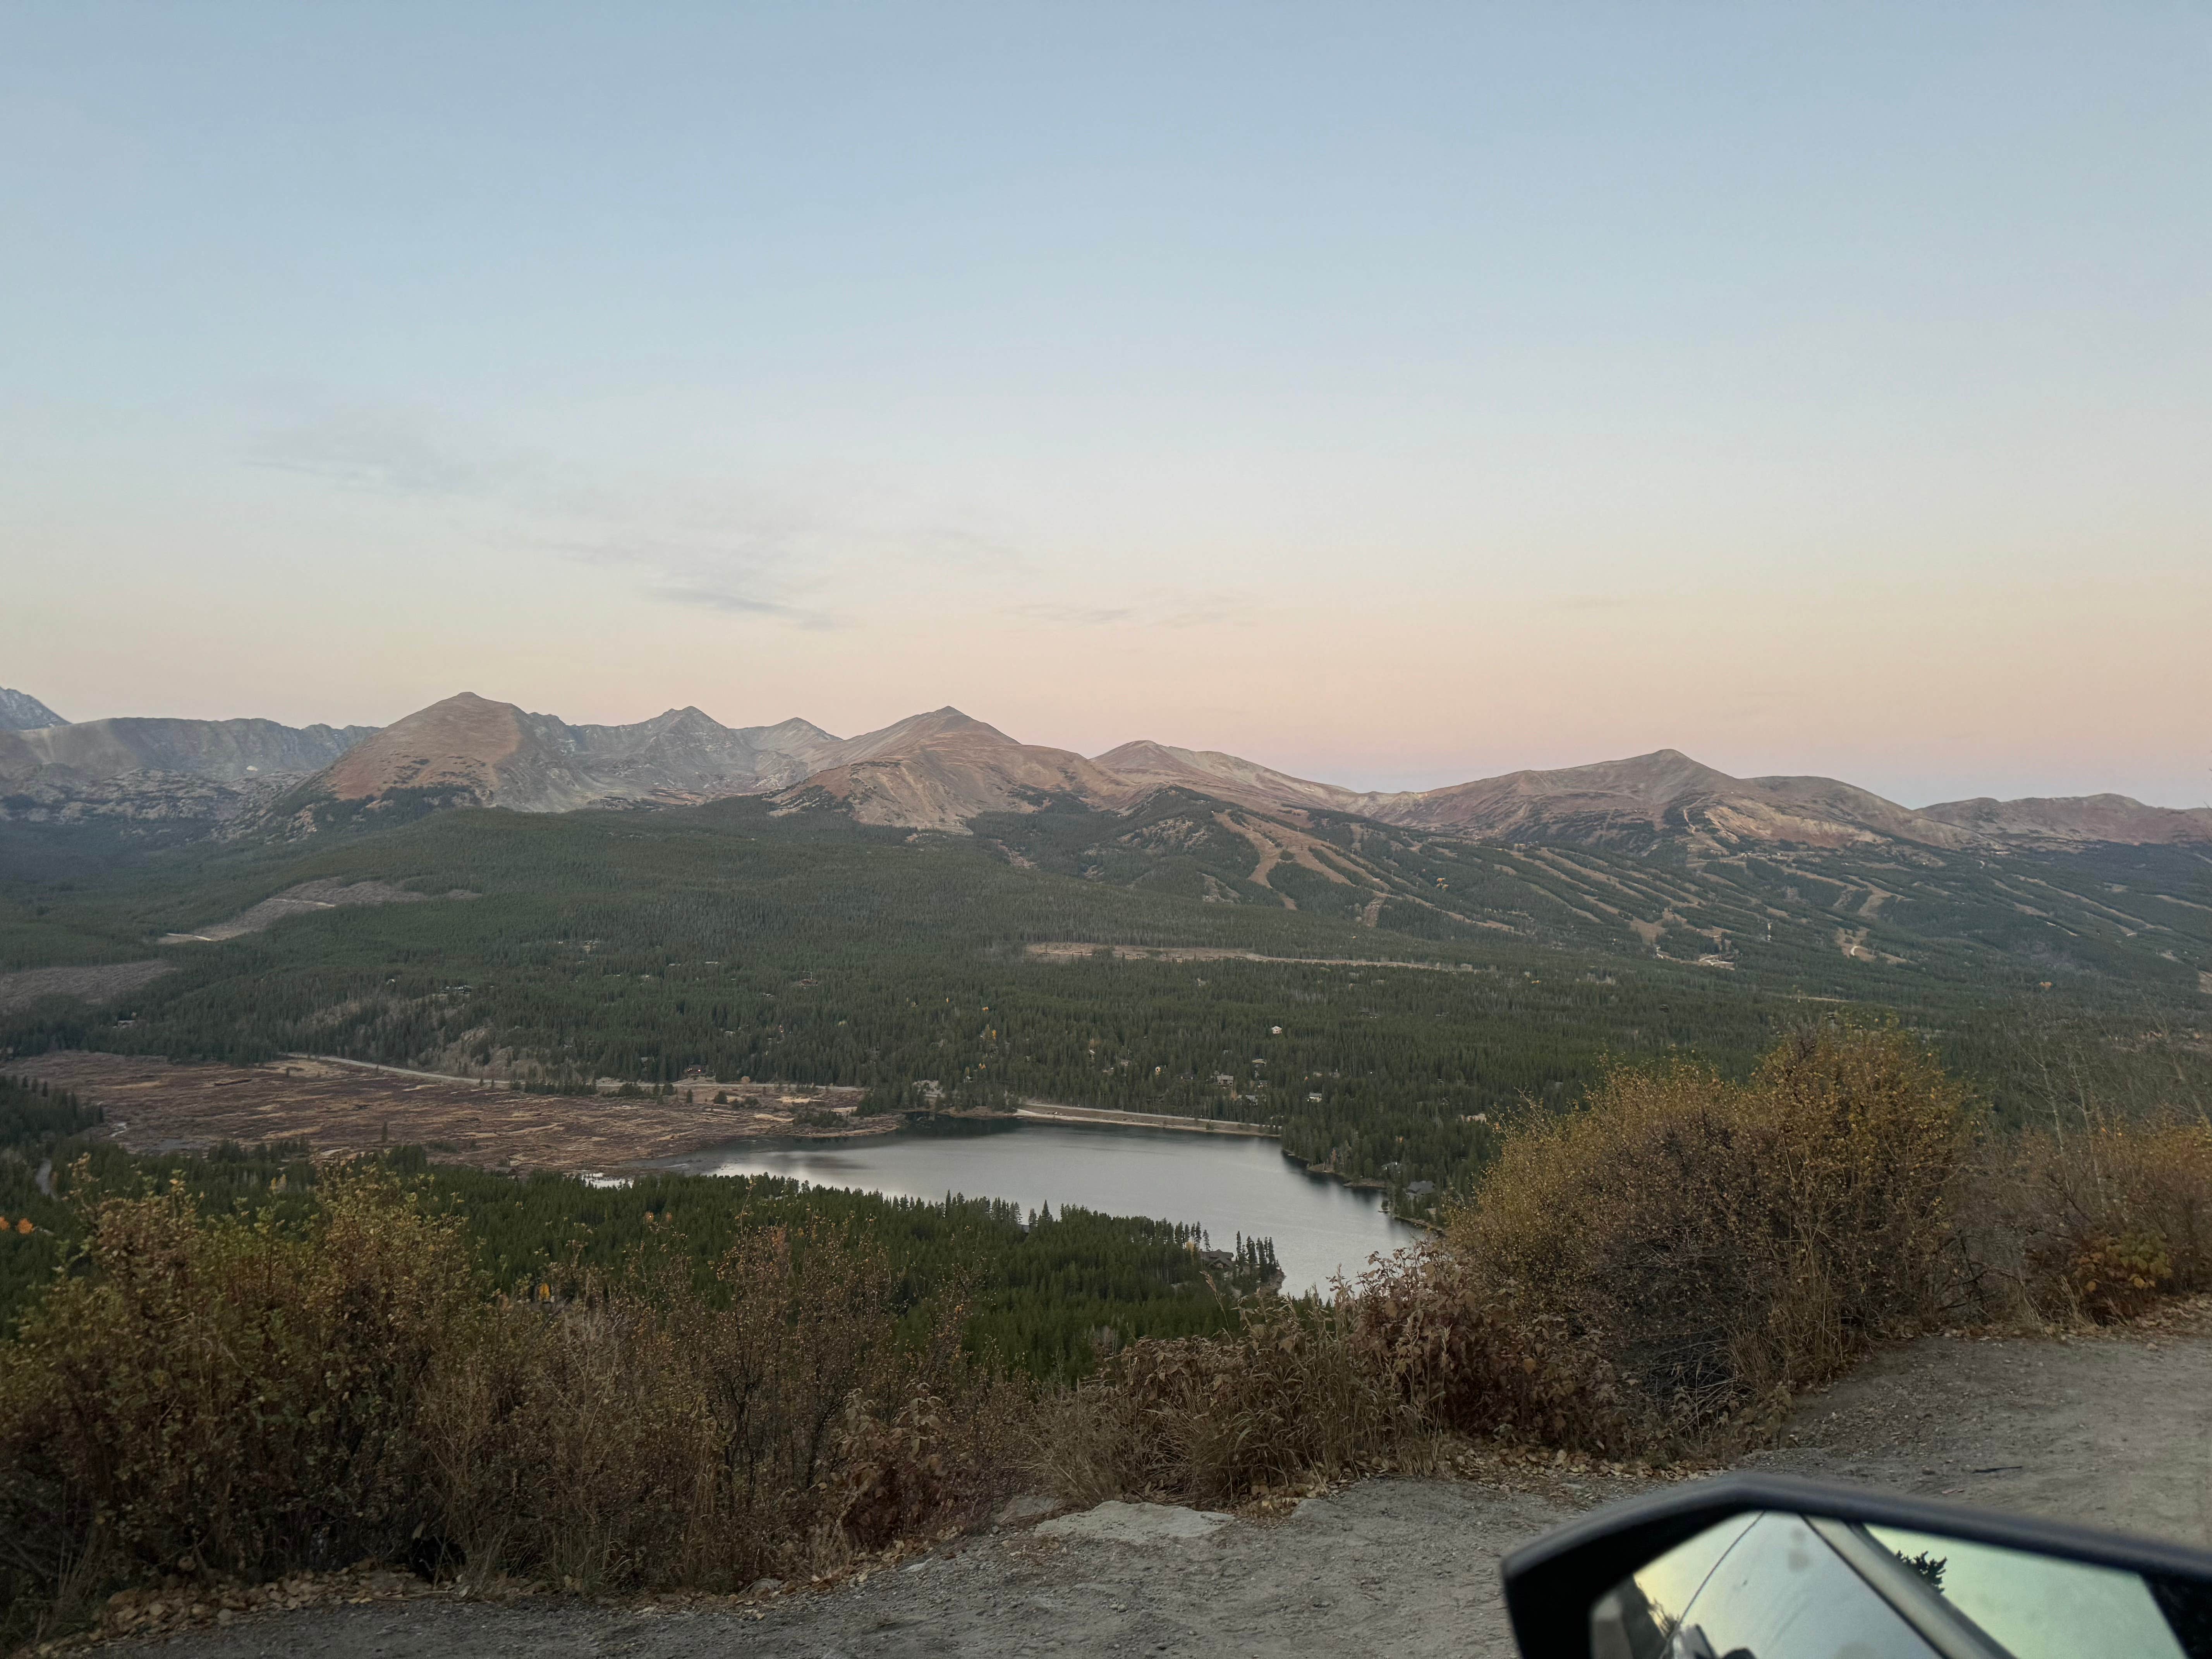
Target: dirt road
{"type": "Point", "coordinates": [2118, 1431]}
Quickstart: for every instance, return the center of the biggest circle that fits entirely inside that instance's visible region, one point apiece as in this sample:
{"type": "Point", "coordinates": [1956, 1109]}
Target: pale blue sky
{"type": "Point", "coordinates": [1392, 393]}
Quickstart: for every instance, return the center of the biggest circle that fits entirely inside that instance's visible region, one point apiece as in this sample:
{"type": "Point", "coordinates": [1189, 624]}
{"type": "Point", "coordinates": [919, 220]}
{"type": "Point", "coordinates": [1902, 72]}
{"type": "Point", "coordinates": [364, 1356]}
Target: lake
{"type": "Point", "coordinates": [1227, 1184]}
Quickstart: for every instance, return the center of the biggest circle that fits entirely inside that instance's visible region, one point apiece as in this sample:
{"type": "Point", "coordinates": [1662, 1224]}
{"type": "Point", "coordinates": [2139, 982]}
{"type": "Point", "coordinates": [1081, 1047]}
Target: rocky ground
{"type": "Point", "coordinates": [2115, 1430]}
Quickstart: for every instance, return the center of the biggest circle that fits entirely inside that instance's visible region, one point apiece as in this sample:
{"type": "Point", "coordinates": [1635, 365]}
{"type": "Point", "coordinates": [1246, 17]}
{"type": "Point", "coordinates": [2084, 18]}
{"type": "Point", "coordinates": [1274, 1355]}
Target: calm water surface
{"type": "Point", "coordinates": [1227, 1184]}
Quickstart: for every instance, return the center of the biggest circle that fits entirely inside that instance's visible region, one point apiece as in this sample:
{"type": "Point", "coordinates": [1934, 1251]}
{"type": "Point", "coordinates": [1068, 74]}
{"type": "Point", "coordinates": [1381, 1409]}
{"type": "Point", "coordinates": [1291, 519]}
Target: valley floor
{"type": "Point", "coordinates": [154, 1105]}
{"type": "Point", "coordinates": [2116, 1431]}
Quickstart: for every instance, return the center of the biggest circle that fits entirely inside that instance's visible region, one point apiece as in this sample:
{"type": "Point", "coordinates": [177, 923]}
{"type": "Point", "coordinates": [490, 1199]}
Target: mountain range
{"type": "Point", "coordinates": [942, 771]}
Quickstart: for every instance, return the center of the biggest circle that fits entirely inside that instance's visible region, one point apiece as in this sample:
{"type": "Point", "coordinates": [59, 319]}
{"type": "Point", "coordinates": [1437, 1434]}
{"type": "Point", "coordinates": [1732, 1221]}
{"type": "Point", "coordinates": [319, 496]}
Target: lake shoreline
{"type": "Point", "coordinates": [1049, 1111]}
{"type": "Point", "coordinates": [1230, 1184]}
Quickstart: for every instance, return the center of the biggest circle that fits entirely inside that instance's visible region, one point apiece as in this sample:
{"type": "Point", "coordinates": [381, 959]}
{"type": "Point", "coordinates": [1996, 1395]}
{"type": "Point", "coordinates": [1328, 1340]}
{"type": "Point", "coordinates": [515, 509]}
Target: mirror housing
{"type": "Point", "coordinates": [1552, 1585]}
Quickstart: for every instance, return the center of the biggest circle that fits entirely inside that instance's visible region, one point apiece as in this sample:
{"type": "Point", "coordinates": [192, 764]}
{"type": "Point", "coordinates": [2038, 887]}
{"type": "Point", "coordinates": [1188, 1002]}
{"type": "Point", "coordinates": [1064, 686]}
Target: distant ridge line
{"type": "Point", "coordinates": [943, 769]}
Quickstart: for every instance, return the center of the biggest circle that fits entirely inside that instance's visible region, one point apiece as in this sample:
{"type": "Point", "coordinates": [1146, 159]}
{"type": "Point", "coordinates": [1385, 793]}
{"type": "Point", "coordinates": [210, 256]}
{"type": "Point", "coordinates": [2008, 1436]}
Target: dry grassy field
{"type": "Point", "coordinates": [155, 1105]}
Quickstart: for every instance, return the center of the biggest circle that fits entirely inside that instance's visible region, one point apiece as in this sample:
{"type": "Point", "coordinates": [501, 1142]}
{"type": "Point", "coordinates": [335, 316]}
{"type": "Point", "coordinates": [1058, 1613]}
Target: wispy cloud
{"type": "Point", "coordinates": [742, 581]}
{"type": "Point", "coordinates": [1592, 602]}
{"type": "Point", "coordinates": [1607, 601]}
{"type": "Point", "coordinates": [1160, 610]}
{"type": "Point", "coordinates": [806, 552]}
{"type": "Point", "coordinates": [1076, 616]}
{"type": "Point", "coordinates": [390, 452]}
{"type": "Point", "coordinates": [733, 604]}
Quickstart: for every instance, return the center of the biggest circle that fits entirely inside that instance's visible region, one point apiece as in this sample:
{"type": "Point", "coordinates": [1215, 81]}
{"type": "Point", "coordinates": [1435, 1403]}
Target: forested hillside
{"type": "Point", "coordinates": [1876, 919]}
{"type": "Point", "coordinates": [1047, 1293]}
{"type": "Point", "coordinates": [1421, 988]}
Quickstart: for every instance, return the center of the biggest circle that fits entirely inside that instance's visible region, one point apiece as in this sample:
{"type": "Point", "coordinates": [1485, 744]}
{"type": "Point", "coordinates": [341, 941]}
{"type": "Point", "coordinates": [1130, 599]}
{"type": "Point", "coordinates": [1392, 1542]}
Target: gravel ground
{"type": "Point", "coordinates": [2110, 1431]}
{"type": "Point", "coordinates": [2115, 1431]}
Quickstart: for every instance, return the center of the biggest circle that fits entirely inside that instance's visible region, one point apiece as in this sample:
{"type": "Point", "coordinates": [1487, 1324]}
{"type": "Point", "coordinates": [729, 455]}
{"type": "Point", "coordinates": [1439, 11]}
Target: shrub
{"type": "Point", "coordinates": [2096, 1221]}
{"type": "Point", "coordinates": [1307, 1390]}
{"type": "Point", "coordinates": [1215, 1420]}
{"type": "Point", "coordinates": [647, 1433]}
{"type": "Point", "coordinates": [1626, 1280]}
{"type": "Point", "coordinates": [1726, 1244]}
{"type": "Point", "coordinates": [218, 1395]}
{"type": "Point", "coordinates": [226, 1396]}
{"type": "Point", "coordinates": [1472, 1353]}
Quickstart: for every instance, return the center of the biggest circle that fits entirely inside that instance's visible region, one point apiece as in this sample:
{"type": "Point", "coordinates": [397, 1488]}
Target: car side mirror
{"type": "Point", "coordinates": [1751, 1566]}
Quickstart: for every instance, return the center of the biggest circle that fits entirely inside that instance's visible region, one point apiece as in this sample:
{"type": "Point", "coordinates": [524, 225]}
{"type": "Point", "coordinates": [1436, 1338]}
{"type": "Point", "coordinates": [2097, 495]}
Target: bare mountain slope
{"type": "Point", "coordinates": [1662, 793]}
{"type": "Point", "coordinates": [1825, 800]}
{"type": "Point", "coordinates": [941, 770]}
{"type": "Point", "coordinates": [1666, 793]}
{"type": "Point", "coordinates": [458, 745]}
{"type": "Point", "coordinates": [1591, 802]}
{"type": "Point", "coordinates": [182, 772]}
{"type": "Point", "coordinates": [791, 750]}
{"type": "Point", "coordinates": [21, 712]}
{"type": "Point", "coordinates": [233, 752]}
{"type": "Point", "coordinates": [471, 750]}
{"type": "Point", "coordinates": [939, 727]}
{"type": "Point", "coordinates": [2073, 819]}
{"type": "Point", "coordinates": [1230, 778]}
{"type": "Point", "coordinates": [936, 771]}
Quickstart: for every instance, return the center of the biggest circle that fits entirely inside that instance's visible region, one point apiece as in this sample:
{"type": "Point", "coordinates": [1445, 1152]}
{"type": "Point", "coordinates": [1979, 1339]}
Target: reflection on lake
{"type": "Point", "coordinates": [1227, 1184]}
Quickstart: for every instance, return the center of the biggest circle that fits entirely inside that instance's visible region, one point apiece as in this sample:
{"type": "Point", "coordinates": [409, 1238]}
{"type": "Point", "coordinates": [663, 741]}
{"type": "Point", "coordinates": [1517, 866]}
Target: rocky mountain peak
{"type": "Point", "coordinates": [21, 712]}
{"type": "Point", "coordinates": [457, 744]}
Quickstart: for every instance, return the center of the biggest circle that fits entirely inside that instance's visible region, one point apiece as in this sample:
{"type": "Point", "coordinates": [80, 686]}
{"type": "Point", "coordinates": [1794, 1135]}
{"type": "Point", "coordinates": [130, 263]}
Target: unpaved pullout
{"type": "Point", "coordinates": [2110, 1431]}
{"type": "Point", "coordinates": [2116, 1431]}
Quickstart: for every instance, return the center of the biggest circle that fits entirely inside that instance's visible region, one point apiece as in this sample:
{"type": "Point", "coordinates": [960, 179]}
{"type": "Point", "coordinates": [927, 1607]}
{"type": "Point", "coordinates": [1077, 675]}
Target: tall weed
{"type": "Point", "coordinates": [2093, 1221]}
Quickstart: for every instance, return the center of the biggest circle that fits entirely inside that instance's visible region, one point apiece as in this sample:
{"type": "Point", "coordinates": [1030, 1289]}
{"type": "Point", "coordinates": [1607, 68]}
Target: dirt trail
{"type": "Point", "coordinates": [2114, 1431]}
{"type": "Point", "coordinates": [1071, 951]}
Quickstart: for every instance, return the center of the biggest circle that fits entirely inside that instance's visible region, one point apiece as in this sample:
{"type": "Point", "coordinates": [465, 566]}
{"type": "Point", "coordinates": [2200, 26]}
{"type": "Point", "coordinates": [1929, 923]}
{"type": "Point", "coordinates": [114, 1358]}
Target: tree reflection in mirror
{"type": "Point", "coordinates": [2037, 1606]}
{"type": "Point", "coordinates": [1775, 1585]}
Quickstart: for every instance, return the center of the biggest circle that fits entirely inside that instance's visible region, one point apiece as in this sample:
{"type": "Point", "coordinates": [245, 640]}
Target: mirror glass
{"type": "Point", "coordinates": [1783, 1586]}
{"type": "Point", "coordinates": [2037, 1606]}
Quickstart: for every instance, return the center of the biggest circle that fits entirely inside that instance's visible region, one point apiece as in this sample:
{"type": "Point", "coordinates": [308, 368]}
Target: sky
{"type": "Point", "coordinates": [1394, 394]}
